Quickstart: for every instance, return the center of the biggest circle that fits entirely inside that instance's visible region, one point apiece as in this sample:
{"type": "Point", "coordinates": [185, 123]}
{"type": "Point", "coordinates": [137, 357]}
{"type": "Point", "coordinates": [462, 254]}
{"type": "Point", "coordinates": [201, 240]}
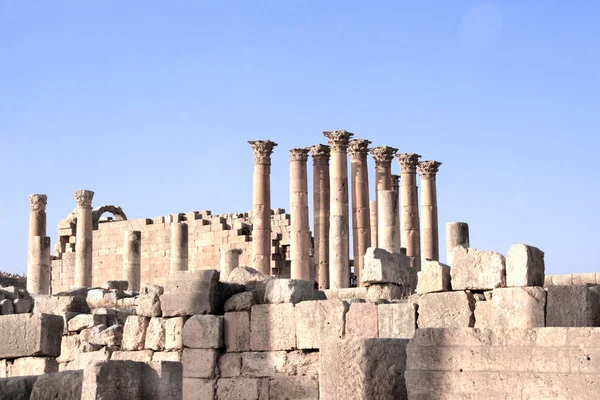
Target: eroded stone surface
{"type": "Point", "coordinates": [518, 307]}
{"type": "Point", "coordinates": [434, 277]}
{"type": "Point", "coordinates": [397, 320]}
{"type": "Point", "coordinates": [204, 332]}
{"type": "Point", "coordinates": [524, 266]}
{"type": "Point", "coordinates": [446, 310]}
{"type": "Point", "coordinates": [476, 269]}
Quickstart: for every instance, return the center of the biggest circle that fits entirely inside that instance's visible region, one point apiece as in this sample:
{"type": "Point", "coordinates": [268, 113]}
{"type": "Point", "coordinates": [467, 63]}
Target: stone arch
{"type": "Point", "coordinates": [114, 210]}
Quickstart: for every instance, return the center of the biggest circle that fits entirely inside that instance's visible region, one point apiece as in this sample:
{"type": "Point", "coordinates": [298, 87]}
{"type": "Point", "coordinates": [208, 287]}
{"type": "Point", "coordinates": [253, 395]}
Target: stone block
{"type": "Point", "coordinates": [156, 334]}
{"type": "Point", "coordinates": [6, 307]}
{"type": "Point", "coordinates": [152, 289]}
{"type": "Point", "coordinates": [18, 388]}
{"type": "Point", "coordinates": [134, 333]}
{"type": "Point", "coordinates": [362, 321]}
{"type": "Point", "coordinates": [243, 388]}
{"type": "Point", "coordinates": [573, 306]}
{"type": "Point", "coordinates": [272, 327]}
{"type": "Point", "coordinates": [363, 369]}
{"type": "Point", "coordinates": [204, 332]}
{"type": "Point", "coordinates": [82, 321]}
{"type": "Point", "coordinates": [69, 348]}
{"type": "Point", "coordinates": [236, 331]}
{"type": "Point", "coordinates": [64, 386]}
{"type": "Point", "coordinates": [186, 304]}
{"type": "Point", "coordinates": [263, 364]}
{"type": "Point", "coordinates": [33, 366]}
{"type": "Point", "coordinates": [82, 360]}
{"type": "Point", "coordinates": [174, 356]}
{"type": "Point", "coordinates": [103, 336]}
{"type": "Point", "coordinates": [515, 307]}
{"type": "Point", "coordinates": [302, 363]}
{"type": "Point", "coordinates": [288, 291]}
{"type": "Point", "coordinates": [46, 304]}
{"type": "Point", "coordinates": [22, 306]}
{"type": "Point", "coordinates": [240, 302]}
{"type": "Point", "coordinates": [388, 292]}
{"type": "Point", "coordinates": [149, 305]}
{"type": "Point", "coordinates": [25, 335]}
{"type": "Point", "coordinates": [163, 380]}
{"type": "Point", "coordinates": [381, 266]}
{"type": "Point", "coordinates": [200, 363]}
{"type": "Point", "coordinates": [446, 310]}
{"type": "Point", "coordinates": [230, 365]}
{"type": "Point", "coordinates": [397, 320]}
{"type": "Point", "coordinates": [174, 333]}
{"type": "Point", "coordinates": [245, 275]}
{"type": "Point", "coordinates": [294, 388]}
{"type": "Point", "coordinates": [524, 266]}
{"type": "Point", "coordinates": [199, 389]}
{"type": "Point", "coordinates": [317, 321]}
{"type": "Point", "coordinates": [95, 298]}
{"type": "Point", "coordinates": [141, 355]}
{"type": "Point", "coordinates": [476, 269]}
{"type": "Point", "coordinates": [117, 285]}
{"type": "Point", "coordinates": [3, 369]}
{"type": "Point", "coordinates": [433, 277]}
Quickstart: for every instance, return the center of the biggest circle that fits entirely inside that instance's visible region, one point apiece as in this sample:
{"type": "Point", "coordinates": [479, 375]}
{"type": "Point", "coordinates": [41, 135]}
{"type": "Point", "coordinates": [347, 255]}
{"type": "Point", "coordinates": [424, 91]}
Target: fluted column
{"type": "Point", "coordinates": [410, 207]}
{"type": "Point", "coordinates": [396, 189]}
{"type": "Point", "coordinates": [230, 260]}
{"type": "Point", "coordinates": [300, 229]}
{"type": "Point", "coordinates": [179, 246]}
{"type": "Point", "coordinates": [457, 234]}
{"type": "Point", "coordinates": [431, 246]}
{"type": "Point", "coordinates": [383, 156]}
{"type": "Point", "coordinates": [38, 262]}
{"type": "Point", "coordinates": [387, 206]}
{"type": "Point", "coordinates": [261, 206]}
{"type": "Point", "coordinates": [132, 259]}
{"type": "Point", "coordinates": [83, 243]}
{"type": "Point", "coordinates": [321, 202]}
{"type": "Point", "coordinates": [339, 243]}
{"type": "Point", "coordinates": [361, 216]}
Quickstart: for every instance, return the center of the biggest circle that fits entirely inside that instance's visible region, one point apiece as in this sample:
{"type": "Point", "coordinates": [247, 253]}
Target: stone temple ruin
{"type": "Point", "coordinates": [255, 306]}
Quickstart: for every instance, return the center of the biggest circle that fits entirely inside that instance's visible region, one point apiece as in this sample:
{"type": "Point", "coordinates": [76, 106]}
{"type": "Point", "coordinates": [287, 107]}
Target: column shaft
{"type": "Point", "coordinates": [457, 234]}
{"type": "Point", "coordinates": [300, 229]}
{"type": "Point", "coordinates": [132, 259]}
{"type": "Point", "coordinates": [230, 260]}
{"type": "Point", "coordinates": [386, 214]}
{"type": "Point", "coordinates": [38, 270]}
{"type": "Point", "coordinates": [321, 204]}
{"type": "Point", "coordinates": [179, 246]}
{"type": "Point", "coordinates": [383, 157]}
{"type": "Point", "coordinates": [361, 224]}
{"type": "Point", "coordinates": [373, 220]}
{"type": "Point", "coordinates": [409, 200]}
{"type": "Point", "coordinates": [84, 238]}
{"type": "Point", "coordinates": [428, 171]}
{"type": "Point", "coordinates": [396, 189]}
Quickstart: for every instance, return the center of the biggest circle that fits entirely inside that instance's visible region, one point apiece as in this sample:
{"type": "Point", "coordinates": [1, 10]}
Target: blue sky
{"type": "Point", "coordinates": [150, 104]}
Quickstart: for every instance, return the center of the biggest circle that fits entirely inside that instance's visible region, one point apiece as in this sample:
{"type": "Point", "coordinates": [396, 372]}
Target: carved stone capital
{"type": "Point", "coordinates": [84, 198]}
{"type": "Point", "coordinates": [395, 182]}
{"type": "Point", "coordinates": [358, 149]}
{"type": "Point", "coordinates": [428, 169]}
{"type": "Point", "coordinates": [299, 154]}
{"type": "Point", "coordinates": [38, 202]}
{"type": "Point", "coordinates": [320, 154]}
{"type": "Point", "coordinates": [338, 140]}
{"type": "Point", "coordinates": [383, 155]}
{"type": "Point", "coordinates": [262, 150]}
{"type": "Point", "coordinates": [408, 162]}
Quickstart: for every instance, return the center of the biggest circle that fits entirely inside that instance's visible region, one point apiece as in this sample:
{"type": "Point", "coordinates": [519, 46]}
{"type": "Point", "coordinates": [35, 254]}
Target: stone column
{"type": "Point", "coordinates": [300, 229]}
{"type": "Point", "coordinates": [230, 260]}
{"type": "Point", "coordinates": [37, 215]}
{"type": "Point", "coordinates": [361, 215]}
{"type": "Point", "coordinates": [261, 206]}
{"type": "Point", "coordinates": [83, 243]}
{"type": "Point", "coordinates": [38, 268]}
{"type": "Point", "coordinates": [132, 259]}
{"type": "Point", "coordinates": [339, 240]}
{"type": "Point", "coordinates": [179, 246]}
{"type": "Point", "coordinates": [387, 206]}
{"type": "Point", "coordinates": [428, 171]}
{"type": "Point", "coordinates": [373, 220]}
{"type": "Point", "coordinates": [457, 234]}
{"type": "Point", "coordinates": [410, 207]}
{"type": "Point", "coordinates": [396, 188]}
{"type": "Point", "coordinates": [320, 155]}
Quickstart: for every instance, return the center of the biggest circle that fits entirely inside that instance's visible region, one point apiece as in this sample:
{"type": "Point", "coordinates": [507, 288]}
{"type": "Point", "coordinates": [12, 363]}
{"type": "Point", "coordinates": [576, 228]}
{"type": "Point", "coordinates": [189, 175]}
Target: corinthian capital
{"type": "Point", "coordinates": [38, 202]}
{"type": "Point", "coordinates": [395, 182]}
{"type": "Point", "coordinates": [84, 198]}
{"type": "Point", "coordinates": [383, 155]}
{"type": "Point", "coordinates": [408, 162]}
{"type": "Point", "coordinates": [299, 154]}
{"type": "Point", "coordinates": [262, 150]}
{"type": "Point", "coordinates": [358, 149]}
{"type": "Point", "coordinates": [428, 169]}
{"type": "Point", "coordinates": [338, 140]}
{"type": "Point", "coordinates": [320, 153]}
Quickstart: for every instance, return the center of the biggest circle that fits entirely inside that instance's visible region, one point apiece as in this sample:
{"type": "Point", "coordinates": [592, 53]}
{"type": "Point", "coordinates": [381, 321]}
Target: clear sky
{"type": "Point", "coordinates": [151, 103]}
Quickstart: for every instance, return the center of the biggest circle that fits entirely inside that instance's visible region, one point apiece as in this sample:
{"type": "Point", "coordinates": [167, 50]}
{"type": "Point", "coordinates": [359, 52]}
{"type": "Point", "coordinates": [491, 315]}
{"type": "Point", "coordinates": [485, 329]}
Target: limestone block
{"type": "Point", "coordinates": [573, 306]}
{"type": "Point", "coordinates": [586, 278]}
{"type": "Point", "coordinates": [6, 307]}
{"type": "Point", "coordinates": [476, 269]}
{"type": "Point", "coordinates": [33, 366]}
{"type": "Point", "coordinates": [363, 369]}
{"type": "Point", "coordinates": [156, 334]}
{"type": "Point", "coordinates": [46, 304]}
{"type": "Point", "coordinates": [240, 302]}
{"type": "Point", "coordinates": [263, 364]}
{"type": "Point", "coordinates": [302, 363]}
{"type": "Point", "coordinates": [397, 320]}
{"type": "Point", "coordinates": [22, 306]}
{"type": "Point", "coordinates": [230, 365]}
{"type": "Point", "coordinates": [387, 291]}
{"type": "Point", "coordinates": [272, 327]}
{"type": "Point", "coordinates": [200, 363]}
{"type": "Point", "coordinates": [134, 333]}
{"type": "Point", "coordinates": [173, 356]}
{"type": "Point", "coordinates": [294, 388]}
{"type": "Point", "coordinates": [152, 289]}
{"type": "Point", "coordinates": [82, 321]}
{"type": "Point", "coordinates": [381, 266]}
{"type": "Point", "coordinates": [236, 331]}
{"type": "Point", "coordinates": [204, 332]}
{"type": "Point", "coordinates": [560, 280]}
{"type": "Point", "coordinates": [317, 321]}
{"type": "Point", "coordinates": [64, 386]}
{"type": "Point", "coordinates": [149, 305]}
{"type": "Point", "coordinates": [174, 333]}
{"type": "Point", "coordinates": [141, 355]}
{"type": "Point", "coordinates": [524, 266]}
{"type": "Point", "coordinates": [95, 298]}
{"type": "Point", "coordinates": [163, 380]}
{"type": "Point", "coordinates": [199, 389]}
{"type": "Point", "coordinates": [18, 388]}
{"type": "Point", "coordinates": [433, 277]}
{"type": "Point", "coordinates": [186, 304]}
{"type": "Point", "coordinates": [515, 307]}
{"type": "Point", "coordinates": [362, 321]}
{"type": "Point", "coordinates": [25, 335]}
{"type": "Point", "coordinates": [82, 360]}
{"type": "Point", "coordinates": [288, 291]}
{"type": "Point", "coordinates": [103, 336]}
{"type": "Point", "coordinates": [69, 348]}
{"type": "Point", "coordinates": [117, 285]}
{"type": "Point", "coordinates": [446, 310]}
{"type": "Point", "coordinates": [244, 275]}
{"type": "Point", "coordinates": [243, 388]}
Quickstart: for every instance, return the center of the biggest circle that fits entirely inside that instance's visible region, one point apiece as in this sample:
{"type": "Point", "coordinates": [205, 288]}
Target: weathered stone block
{"type": "Point", "coordinates": [6, 307]}
{"type": "Point", "coordinates": [82, 360]}
{"type": "Point", "coordinates": [149, 305]}
{"type": "Point", "coordinates": [69, 348]}
{"type": "Point", "coordinates": [174, 356]}
{"type": "Point", "coordinates": [263, 364]}
{"type": "Point", "coordinates": [361, 321]}
{"type": "Point", "coordinates": [244, 275]}
{"type": "Point", "coordinates": [381, 266]}
{"type": "Point", "coordinates": [22, 306]}
{"type": "Point", "coordinates": [294, 388]}
{"type": "Point", "coordinates": [174, 333]}
{"type": "Point", "coordinates": [524, 266]}
{"type": "Point", "coordinates": [117, 285]}
{"type": "Point", "coordinates": [230, 365]}
{"type": "Point", "coordinates": [476, 269]}
{"type": "Point", "coordinates": [573, 306]}
{"type": "Point", "coordinates": [141, 356]}
{"type": "Point", "coordinates": [446, 310]}
{"type": "Point", "coordinates": [156, 334]}
{"type": "Point", "coordinates": [242, 388]}
{"type": "Point", "coordinates": [272, 327]}
{"type": "Point", "coordinates": [134, 333]}
{"type": "Point", "coordinates": [64, 386]}
{"type": "Point", "coordinates": [397, 320]}
{"type": "Point", "coordinates": [95, 298]}
{"type": "Point", "coordinates": [46, 304]}
{"type": "Point", "coordinates": [288, 291]}
{"type": "Point", "coordinates": [302, 363]}
{"type": "Point", "coordinates": [517, 307]}
{"type": "Point", "coordinates": [236, 331]}
{"type": "Point", "coordinates": [433, 277]}
{"type": "Point", "coordinates": [187, 304]}
{"type": "Point", "coordinates": [200, 363]}
{"type": "Point", "coordinates": [388, 292]}
{"type": "Point", "coordinates": [199, 389]}
{"type": "Point", "coordinates": [111, 336]}
{"type": "Point", "coordinates": [204, 332]}
{"type": "Point", "coordinates": [18, 388]}
{"type": "Point", "coordinates": [82, 321]}
{"type": "Point", "coordinates": [33, 366]}
{"type": "Point", "coordinates": [317, 321]}
{"type": "Point", "coordinates": [240, 302]}
{"type": "Point", "coordinates": [152, 289]}
{"type": "Point", "coordinates": [25, 335]}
